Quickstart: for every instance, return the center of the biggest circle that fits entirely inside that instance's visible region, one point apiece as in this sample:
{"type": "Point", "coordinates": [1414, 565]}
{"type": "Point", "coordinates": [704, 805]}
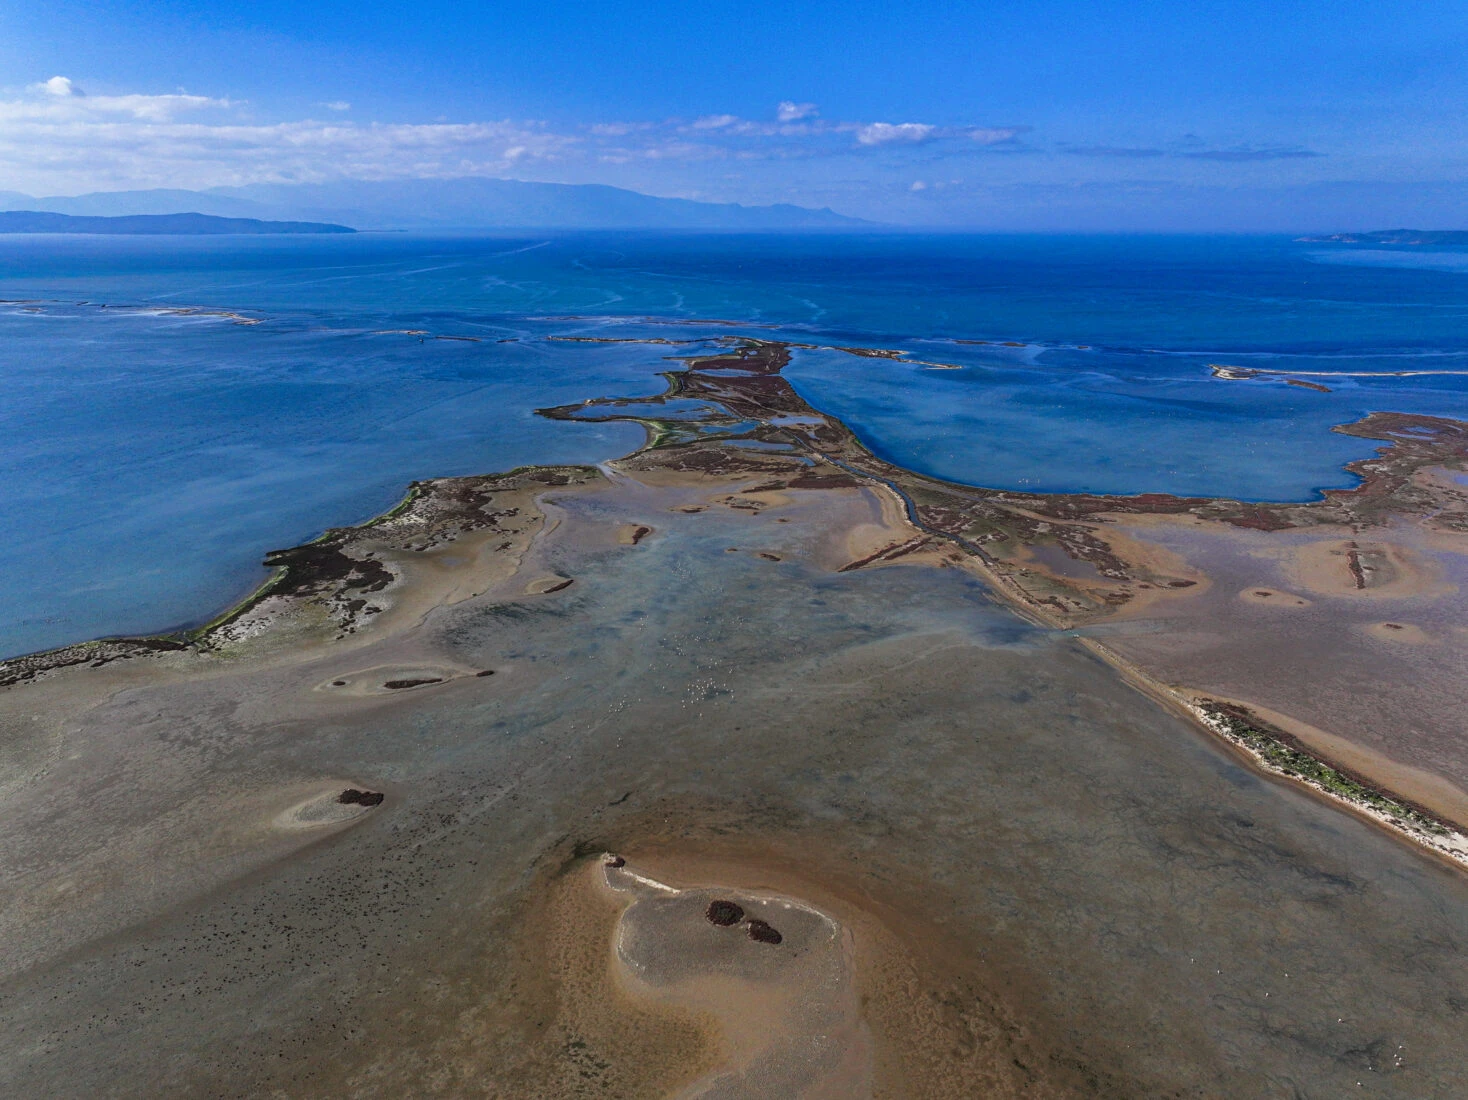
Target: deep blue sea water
{"type": "Point", "coordinates": [151, 458]}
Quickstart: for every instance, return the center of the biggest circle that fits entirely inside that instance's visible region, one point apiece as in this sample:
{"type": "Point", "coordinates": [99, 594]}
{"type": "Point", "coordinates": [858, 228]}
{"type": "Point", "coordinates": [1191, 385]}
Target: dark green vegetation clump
{"type": "Point", "coordinates": [1301, 765]}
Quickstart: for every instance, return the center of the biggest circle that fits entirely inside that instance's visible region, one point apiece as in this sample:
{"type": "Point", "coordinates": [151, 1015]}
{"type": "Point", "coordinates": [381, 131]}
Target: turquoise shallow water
{"type": "Point", "coordinates": [151, 458]}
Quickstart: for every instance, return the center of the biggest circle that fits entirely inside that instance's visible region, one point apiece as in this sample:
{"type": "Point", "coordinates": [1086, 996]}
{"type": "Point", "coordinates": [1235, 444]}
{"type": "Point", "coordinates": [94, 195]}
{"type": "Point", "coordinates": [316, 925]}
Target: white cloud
{"type": "Point", "coordinates": [789, 111]}
{"type": "Point", "coordinates": [918, 185]}
{"type": "Point", "coordinates": [55, 139]}
{"type": "Point", "coordinates": [888, 133]}
{"type": "Point", "coordinates": [58, 86]}
{"type": "Point", "coordinates": [59, 99]}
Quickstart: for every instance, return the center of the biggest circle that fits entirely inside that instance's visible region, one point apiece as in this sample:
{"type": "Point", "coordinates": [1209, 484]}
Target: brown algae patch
{"type": "Point", "coordinates": [1405, 633]}
{"type": "Point", "coordinates": [630, 534]}
{"type": "Point", "coordinates": [775, 975]}
{"type": "Point", "coordinates": [1272, 597]}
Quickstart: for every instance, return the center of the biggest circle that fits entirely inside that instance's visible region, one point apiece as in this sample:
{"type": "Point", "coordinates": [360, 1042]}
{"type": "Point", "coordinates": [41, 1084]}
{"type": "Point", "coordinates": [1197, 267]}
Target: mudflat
{"type": "Point", "coordinates": [982, 862]}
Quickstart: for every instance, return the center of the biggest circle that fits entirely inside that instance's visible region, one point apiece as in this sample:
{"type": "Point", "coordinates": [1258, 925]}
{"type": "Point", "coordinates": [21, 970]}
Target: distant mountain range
{"type": "Point", "coordinates": [36, 221]}
{"type": "Point", "coordinates": [470, 202]}
{"type": "Point", "coordinates": [1396, 236]}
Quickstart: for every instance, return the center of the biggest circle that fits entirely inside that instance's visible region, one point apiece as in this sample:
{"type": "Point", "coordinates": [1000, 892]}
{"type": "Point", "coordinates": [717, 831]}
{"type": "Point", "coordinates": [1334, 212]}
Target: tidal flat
{"type": "Point", "coordinates": [728, 664]}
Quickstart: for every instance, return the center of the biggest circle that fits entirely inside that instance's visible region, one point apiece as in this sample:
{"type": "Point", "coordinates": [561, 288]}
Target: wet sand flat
{"type": "Point", "coordinates": [1052, 886]}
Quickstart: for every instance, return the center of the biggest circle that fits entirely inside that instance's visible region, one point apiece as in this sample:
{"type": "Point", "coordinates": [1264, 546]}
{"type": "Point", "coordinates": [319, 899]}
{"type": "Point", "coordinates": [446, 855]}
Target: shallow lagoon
{"type": "Point", "coordinates": [154, 457]}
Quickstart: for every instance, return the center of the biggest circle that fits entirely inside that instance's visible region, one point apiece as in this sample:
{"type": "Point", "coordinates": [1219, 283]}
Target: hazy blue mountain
{"type": "Point", "coordinates": [37, 221]}
{"type": "Point", "coordinates": [469, 202]}
{"type": "Point", "coordinates": [480, 202]}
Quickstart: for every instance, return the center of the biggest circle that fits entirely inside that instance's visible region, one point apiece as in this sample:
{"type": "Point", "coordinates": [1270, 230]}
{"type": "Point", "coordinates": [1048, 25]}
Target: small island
{"type": "Point", "coordinates": [37, 221]}
{"type": "Point", "coordinates": [1394, 236]}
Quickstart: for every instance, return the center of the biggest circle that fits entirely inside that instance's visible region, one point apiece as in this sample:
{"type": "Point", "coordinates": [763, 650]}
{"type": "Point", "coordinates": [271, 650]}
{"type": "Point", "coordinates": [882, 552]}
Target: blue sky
{"type": "Point", "coordinates": [1039, 114]}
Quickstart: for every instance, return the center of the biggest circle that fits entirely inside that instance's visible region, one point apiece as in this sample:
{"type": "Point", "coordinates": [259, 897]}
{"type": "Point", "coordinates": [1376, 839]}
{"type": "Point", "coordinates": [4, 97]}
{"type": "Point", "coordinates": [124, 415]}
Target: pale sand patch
{"type": "Point", "coordinates": [322, 808]}
{"type": "Point", "coordinates": [630, 534]}
{"type": "Point", "coordinates": [918, 1014]}
{"type": "Point", "coordinates": [775, 973]}
{"type": "Point", "coordinates": [875, 532]}
{"type": "Point", "coordinates": [639, 1047]}
{"type": "Point", "coordinates": [936, 1027]}
{"type": "Point", "coordinates": [888, 527]}
{"type": "Point", "coordinates": [393, 679]}
{"type": "Point", "coordinates": [1273, 597]}
{"type": "Point", "coordinates": [1357, 567]}
{"type": "Point", "coordinates": [1405, 633]}
{"type": "Point", "coordinates": [765, 498]}
{"type": "Point", "coordinates": [1125, 535]}
{"type": "Point", "coordinates": [550, 582]}
{"type": "Point", "coordinates": [465, 567]}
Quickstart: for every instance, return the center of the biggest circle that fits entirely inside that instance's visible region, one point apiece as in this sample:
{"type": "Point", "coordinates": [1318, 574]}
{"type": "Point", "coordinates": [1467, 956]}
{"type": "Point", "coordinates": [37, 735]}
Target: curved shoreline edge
{"type": "Point", "coordinates": [748, 404]}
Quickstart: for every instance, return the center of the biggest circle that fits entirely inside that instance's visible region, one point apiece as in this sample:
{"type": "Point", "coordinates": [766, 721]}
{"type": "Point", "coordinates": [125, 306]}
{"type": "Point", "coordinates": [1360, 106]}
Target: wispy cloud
{"type": "Point", "coordinates": [917, 133]}
{"type": "Point", "coordinates": [1192, 148]}
{"type": "Point", "coordinates": [1123, 151]}
{"type": "Point", "coordinates": [55, 138]}
{"type": "Point", "coordinates": [790, 111]}
{"type": "Point", "coordinates": [796, 132]}
{"type": "Point", "coordinates": [1247, 153]}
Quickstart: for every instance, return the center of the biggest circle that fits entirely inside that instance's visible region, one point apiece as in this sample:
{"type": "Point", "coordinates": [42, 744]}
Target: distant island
{"type": "Point", "coordinates": [1395, 236]}
{"type": "Point", "coordinates": [36, 221]}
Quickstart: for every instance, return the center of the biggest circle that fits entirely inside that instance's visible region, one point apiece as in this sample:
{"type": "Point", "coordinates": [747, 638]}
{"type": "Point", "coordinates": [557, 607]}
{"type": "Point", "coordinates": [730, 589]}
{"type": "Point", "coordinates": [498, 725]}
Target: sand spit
{"type": "Point", "coordinates": [1281, 754]}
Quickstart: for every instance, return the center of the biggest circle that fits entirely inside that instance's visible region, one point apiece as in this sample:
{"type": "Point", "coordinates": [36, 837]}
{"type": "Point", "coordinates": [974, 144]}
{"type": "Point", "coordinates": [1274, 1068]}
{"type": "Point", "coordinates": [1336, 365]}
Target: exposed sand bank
{"type": "Point", "coordinates": [777, 976]}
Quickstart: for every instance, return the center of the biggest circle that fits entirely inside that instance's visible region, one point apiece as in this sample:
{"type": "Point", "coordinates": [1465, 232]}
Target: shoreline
{"type": "Point", "coordinates": [743, 377]}
{"type": "Point", "coordinates": [1407, 822]}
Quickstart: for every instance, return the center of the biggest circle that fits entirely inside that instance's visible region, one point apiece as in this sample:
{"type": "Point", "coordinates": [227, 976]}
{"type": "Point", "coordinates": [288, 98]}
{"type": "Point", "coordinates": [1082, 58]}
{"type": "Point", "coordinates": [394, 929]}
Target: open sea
{"type": "Point", "coordinates": [151, 457]}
